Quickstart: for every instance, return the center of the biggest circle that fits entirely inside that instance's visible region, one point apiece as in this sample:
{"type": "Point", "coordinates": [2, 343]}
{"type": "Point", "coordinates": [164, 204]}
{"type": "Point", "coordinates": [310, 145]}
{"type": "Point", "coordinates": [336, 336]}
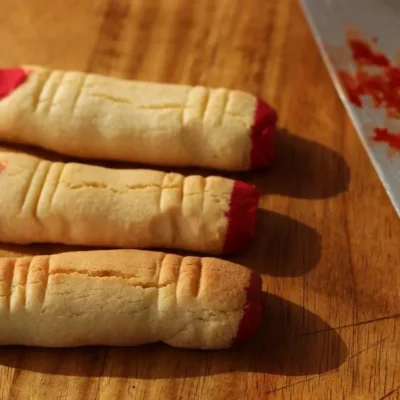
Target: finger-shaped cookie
{"type": "Point", "coordinates": [126, 298]}
{"type": "Point", "coordinates": [53, 202]}
{"type": "Point", "coordinates": [94, 116]}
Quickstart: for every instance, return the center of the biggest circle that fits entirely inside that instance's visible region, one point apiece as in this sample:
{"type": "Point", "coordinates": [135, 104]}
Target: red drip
{"type": "Point", "coordinates": [377, 78]}
{"type": "Point", "coordinates": [10, 79]}
{"type": "Point", "coordinates": [351, 87]}
{"type": "Point", "coordinates": [383, 135]}
{"type": "Point", "coordinates": [252, 312]}
{"type": "Point", "coordinates": [381, 84]}
{"type": "Point", "coordinates": [263, 136]}
{"type": "Point", "coordinates": [242, 216]}
{"type": "Point", "coordinates": [365, 55]}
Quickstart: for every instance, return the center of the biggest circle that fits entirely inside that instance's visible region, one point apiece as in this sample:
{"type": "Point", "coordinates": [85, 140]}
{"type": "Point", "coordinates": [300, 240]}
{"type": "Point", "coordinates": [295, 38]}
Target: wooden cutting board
{"type": "Point", "coordinates": [328, 238]}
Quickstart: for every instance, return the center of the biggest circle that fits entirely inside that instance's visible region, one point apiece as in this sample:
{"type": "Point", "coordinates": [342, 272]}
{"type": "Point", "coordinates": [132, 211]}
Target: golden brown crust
{"type": "Point", "coordinates": [80, 114]}
{"type": "Point", "coordinates": [80, 204]}
{"type": "Point", "coordinates": [121, 297]}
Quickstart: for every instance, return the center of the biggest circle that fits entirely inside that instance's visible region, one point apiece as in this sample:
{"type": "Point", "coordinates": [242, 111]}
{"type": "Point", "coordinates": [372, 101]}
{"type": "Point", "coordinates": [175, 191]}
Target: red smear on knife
{"type": "Point", "coordinates": [10, 79]}
{"type": "Point", "coordinates": [351, 87]}
{"type": "Point", "coordinates": [252, 312]}
{"type": "Point", "coordinates": [363, 54]}
{"type": "Point", "coordinates": [263, 136]}
{"type": "Point", "coordinates": [381, 82]}
{"type": "Point", "coordinates": [241, 216]}
{"type": "Point", "coordinates": [375, 77]}
{"type": "Point", "coordinates": [384, 135]}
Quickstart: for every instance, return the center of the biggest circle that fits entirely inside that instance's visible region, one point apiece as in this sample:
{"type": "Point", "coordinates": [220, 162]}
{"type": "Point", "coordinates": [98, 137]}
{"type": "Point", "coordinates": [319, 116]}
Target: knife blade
{"type": "Point", "coordinates": [359, 42]}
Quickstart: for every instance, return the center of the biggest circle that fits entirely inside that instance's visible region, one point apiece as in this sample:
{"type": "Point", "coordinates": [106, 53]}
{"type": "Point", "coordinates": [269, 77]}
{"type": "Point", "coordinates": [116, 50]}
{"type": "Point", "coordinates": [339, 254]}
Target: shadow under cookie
{"type": "Point", "coordinates": [280, 347]}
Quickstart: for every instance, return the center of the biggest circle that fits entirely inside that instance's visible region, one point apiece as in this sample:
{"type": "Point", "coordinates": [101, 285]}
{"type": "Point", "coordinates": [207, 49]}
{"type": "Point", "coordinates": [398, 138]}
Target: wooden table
{"type": "Point", "coordinates": [328, 239]}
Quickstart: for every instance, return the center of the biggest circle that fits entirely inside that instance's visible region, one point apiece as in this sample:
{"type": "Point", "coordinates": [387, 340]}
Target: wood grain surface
{"type": "Point", "coordinates": [328, 238]}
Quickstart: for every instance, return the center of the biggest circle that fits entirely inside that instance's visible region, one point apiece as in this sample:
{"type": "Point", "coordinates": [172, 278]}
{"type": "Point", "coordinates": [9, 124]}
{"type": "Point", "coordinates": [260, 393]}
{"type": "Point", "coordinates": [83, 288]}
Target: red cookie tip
{"type": "Point", "coordinates": [10, 79]}
{"type": "Point", "coordinates": [242, 216]}
{"type": "Point", "coordinates": [252, 312]}
{"type": "Point", "coordinates": [263, 136]}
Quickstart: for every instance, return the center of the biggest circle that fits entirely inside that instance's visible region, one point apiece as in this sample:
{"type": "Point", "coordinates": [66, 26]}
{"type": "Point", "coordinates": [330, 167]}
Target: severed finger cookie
{"type": "Point", "coordinates": [127, 298]}
{"type": "Point", "coordinates": [98, 117]}
{"type": "Point", "coordinates": [70, 203]}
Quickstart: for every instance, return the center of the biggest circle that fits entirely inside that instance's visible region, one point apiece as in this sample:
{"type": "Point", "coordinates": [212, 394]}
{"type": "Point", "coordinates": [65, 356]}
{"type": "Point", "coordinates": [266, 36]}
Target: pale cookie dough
{"type": "Point", "coordinates": [99, 117]}
{"type": "Point", "coordinates": [127, 298]}
{"type": "Point", "coordinates": [54, 202]}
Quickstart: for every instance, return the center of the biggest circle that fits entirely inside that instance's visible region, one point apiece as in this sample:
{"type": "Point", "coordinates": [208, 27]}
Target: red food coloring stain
{"type": "Point", "coordinates": [10, 79]}
{"type": "Point", "coordinates": [391, 138]}
{"type": "Point", "coordinates": [263, 136]}
{"type": "Point", "coordinates": [381, 83]}
{"type": "Point", "coordinates": [363, 54]}
{"type": "Point", "coordinates": [351, 87]}
{"type": "Point", "coordinates": [3, 165]}
{"type": "Point", "coordinates": [241, 216]}
{"type": "Point", "coordinates": [375, 77]}
{"type": "Point", "coordinates": [252, 311]}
